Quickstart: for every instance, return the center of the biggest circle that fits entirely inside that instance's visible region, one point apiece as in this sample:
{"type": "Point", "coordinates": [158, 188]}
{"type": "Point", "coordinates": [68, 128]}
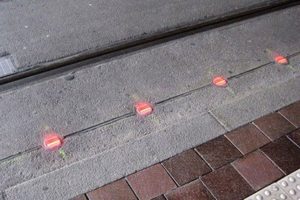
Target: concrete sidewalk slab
{"type": "Point", "coordinates": [109, 90]}
{"type": "Point", "coordinates": [118, 162]}
{"type": "Point", "coordinates": [39, 31]}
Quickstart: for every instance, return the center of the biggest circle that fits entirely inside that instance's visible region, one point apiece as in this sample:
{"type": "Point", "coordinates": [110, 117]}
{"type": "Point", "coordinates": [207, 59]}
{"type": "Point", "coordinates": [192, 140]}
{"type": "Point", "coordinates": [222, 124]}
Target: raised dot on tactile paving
{"type": "Point", "coordinates": [291, 179]}
{"type": "Point", "coordinates": [292, 192]}
{"type": "Point", "coordinates": [275, 188]}
{"type": "Point", "coordinates": [259, 197]}
{"type": "Point", "coordinates": [298, 175]}
{"type": "Point", "coordinates": [298, 187]}
{"type": "Point", "coordinates": [267, 193]}
{"type": "Point", "coordinates": [284, 184]}
{"type": "Point", "coordinates": [282, 196]}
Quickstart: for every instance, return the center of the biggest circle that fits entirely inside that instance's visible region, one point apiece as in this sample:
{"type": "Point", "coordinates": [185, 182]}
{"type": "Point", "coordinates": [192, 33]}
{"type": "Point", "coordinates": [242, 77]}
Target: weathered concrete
{"type": "Point", "coordinates": [248, 108]}
{"type": "Point", "coordinates": [40, 31]}
{"type": "Point", "coordinates": [294, 63]}
{"type": "Point", "coordinates": [118, 162]}
{"type": "Point", "coordinates": [154, 141]}
{"type": "Point", "coordinates": [108, 90]}
{"type": "Point", "coordinates": [91, 143]}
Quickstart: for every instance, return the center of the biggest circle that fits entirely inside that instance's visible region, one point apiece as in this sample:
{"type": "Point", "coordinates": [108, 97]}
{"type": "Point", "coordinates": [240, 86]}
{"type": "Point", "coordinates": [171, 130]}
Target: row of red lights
{"type": "Point", "coordinates": [53, 141]}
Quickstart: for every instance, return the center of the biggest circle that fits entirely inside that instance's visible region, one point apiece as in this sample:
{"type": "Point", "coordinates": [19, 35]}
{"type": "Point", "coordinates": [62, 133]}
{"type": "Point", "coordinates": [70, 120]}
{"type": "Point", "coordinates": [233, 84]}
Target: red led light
{"type": "Point", "coordinates": [143, 108]}
{"type": "Point", "coordinates": [281, 60]}
{"type": "Point", "coordinates": [278, 58]}
{"type": "Point", "coordinates": [52, 141]}
{"type": "Point", "coordinates": [220, 81]}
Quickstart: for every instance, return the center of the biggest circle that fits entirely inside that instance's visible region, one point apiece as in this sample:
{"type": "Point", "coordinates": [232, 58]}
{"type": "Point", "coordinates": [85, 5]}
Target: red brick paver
{"type": "Point", "coordinates": [191, 191]}
{"type": "Point", "coordinates": [226, 183]}
{"type": "Point", "coordinates": [247, 138]}
{"type": "Point", "coordinates": [80, 197]}
{"type": "Point", "coordinates": [292, 113]}
{"type": "Point", "coordinates": [186, 167]}
{"type": "Point", "coordinates": [295, 137]}
{"type": "Point", "coordinates": [151, 182]}
{"type": "Point", "coordinates": [284, 153]}
{"type": "Point", "coordinates": [117, 190]}
{"type": "Point", "coordinates": [161, 197]}
{"type": "Point", "coordinates": [218, 152]}
{"type": "Point", "coordinates": [258, 170]}
{"type": "Point", "coordinates": [274, 125]}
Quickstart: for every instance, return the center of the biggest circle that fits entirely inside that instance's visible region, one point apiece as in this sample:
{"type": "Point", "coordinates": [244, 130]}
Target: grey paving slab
{"type": "Point", "coordinates": [108, 90]}
{"type": "Point", "coordinates": [294, 63]}
{"type": "Point", "coordinates": [40, 31]}
{"type": "Point", "coordinates": [93, 142]}
{"type": "Point", "coordinates": [103, 168]}
{"type": "Point", "coordinates": [248, 108]}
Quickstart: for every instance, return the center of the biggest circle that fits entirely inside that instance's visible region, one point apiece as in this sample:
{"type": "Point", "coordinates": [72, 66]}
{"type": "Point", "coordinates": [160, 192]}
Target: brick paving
{"type": "Point", "coordinates": [226, 183]}
{"type": "Point", "coordinates": [274, 125]}
{"type": "Point", "coordinates": [257, 170]}
{"type": "Point", "coordinates": [247, 138]}
{"type": "Point", "coordinates": [284, 153]}
{"type": "Point", "coordinates": [233, 166]}
{"type": "Point", "coordinates": [186, 167]}
{"type": "Point", "coordinates": [116, 190]}
{"type": "Point", "coordinates": [295, 137]}
{"type": "Point", "coordinates": [151, 182]}
{"type": "Point", "coordinates": [218, 152]}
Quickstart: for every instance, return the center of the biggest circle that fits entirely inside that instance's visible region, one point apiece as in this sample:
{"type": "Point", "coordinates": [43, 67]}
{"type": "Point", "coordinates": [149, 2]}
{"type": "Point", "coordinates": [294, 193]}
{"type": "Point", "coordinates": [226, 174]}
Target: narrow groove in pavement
{"type": "Point", "coordinates": [105, 123]}
{"type": "Point", "coordinates": [131, 114]}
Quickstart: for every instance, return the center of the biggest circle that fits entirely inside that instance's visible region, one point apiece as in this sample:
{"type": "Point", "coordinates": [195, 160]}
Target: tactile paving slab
{"type": "Point", "coordinates": [291, 185]}
{"type": "Point", "coordinates": [288, 188]}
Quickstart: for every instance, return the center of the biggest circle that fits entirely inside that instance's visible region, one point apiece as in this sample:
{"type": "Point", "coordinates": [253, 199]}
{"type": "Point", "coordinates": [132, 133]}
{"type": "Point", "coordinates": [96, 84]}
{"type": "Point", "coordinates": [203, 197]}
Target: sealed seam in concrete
{"type": "Point", "coordinates": [118, 162]}
{"type": "Point", "coordinates": [248, 108]}
{"type": "Point", "coordinates": [40, 31]}
{"type": "Point", "coordinates": [109, 90]}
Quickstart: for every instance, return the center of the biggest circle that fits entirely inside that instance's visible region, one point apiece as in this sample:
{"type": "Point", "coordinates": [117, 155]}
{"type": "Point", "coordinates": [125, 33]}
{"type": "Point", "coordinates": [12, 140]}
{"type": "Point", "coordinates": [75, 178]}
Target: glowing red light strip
{"type": "Point", "coordinates": [52, 141]}
{"type": "Point", "coordinates": [143, 108]}
{"type": "Point", "coordinates": [220, 81]}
